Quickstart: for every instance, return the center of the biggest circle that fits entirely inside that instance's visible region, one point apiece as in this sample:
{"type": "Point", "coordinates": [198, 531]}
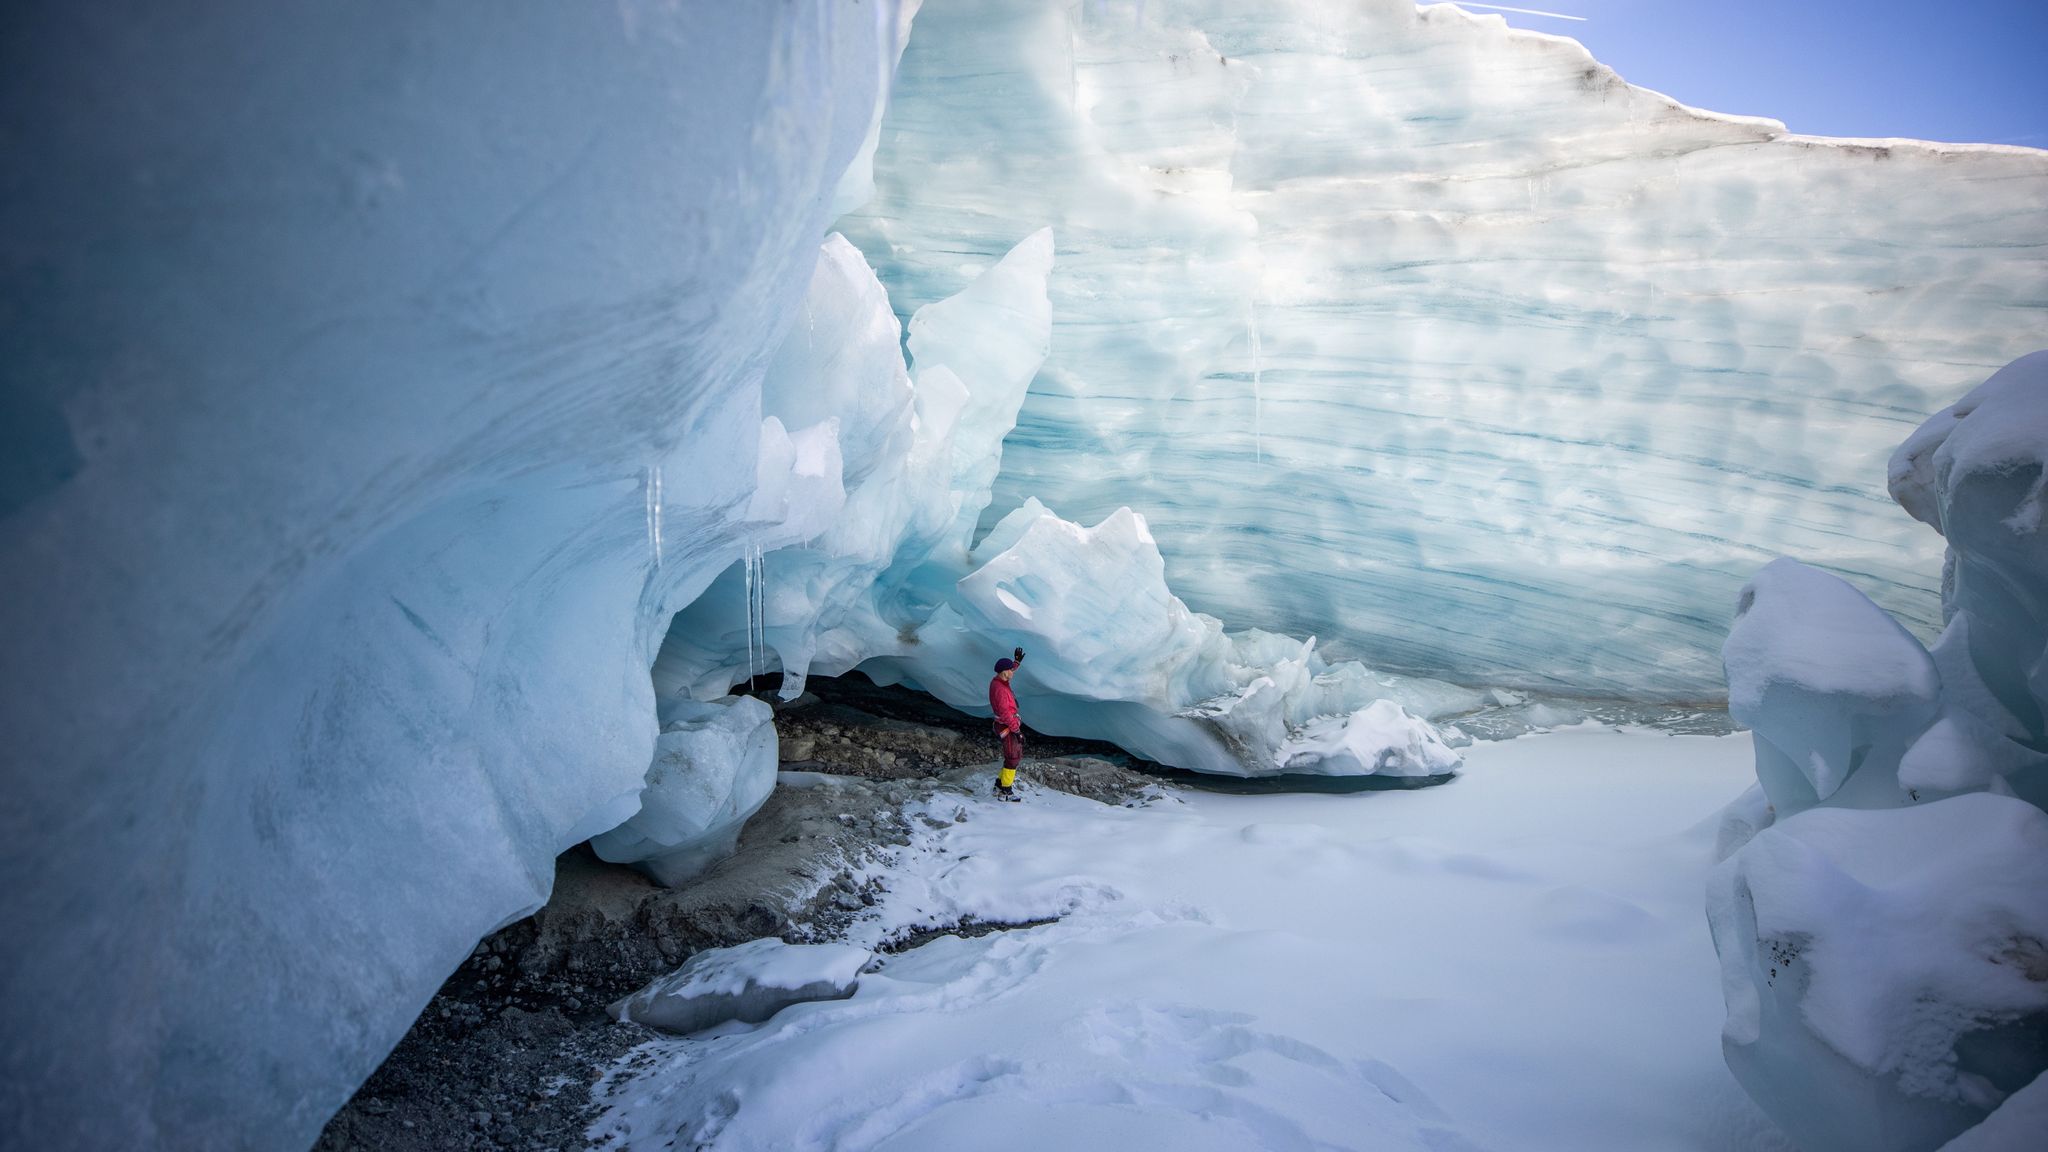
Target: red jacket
{"type": "Point", "coordinates": [1003, 703]}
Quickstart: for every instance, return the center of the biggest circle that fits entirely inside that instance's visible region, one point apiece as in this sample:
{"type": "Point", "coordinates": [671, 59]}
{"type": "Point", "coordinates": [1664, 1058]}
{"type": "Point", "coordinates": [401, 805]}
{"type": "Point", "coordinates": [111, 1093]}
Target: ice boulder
{"type": "Point", "coordinates": [714, 766]}
{"type": "Point", "coordinates": [749, 983]}
{"type": "Point", "coordinates": [1886, 971]}
{"type": "Point", "coordinates": [1882, 922]}
{"type": "Point", "coordinates": [1975, 473]}
{"type": "Point", "coordinates": [1115, 655]}
{"type": "Point", "coordinates": [1832, 686]}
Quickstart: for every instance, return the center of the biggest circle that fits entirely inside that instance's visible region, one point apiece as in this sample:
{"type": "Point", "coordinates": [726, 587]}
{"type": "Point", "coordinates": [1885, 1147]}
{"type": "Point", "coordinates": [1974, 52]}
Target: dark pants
{"type": "Point", "coordinates": [1013, 748]}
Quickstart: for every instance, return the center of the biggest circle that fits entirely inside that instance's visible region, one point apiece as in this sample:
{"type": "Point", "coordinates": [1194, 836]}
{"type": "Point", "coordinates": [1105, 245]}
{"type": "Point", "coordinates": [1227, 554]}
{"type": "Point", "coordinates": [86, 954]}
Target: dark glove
{"type": "Point", "coordinates": [1018, 655]}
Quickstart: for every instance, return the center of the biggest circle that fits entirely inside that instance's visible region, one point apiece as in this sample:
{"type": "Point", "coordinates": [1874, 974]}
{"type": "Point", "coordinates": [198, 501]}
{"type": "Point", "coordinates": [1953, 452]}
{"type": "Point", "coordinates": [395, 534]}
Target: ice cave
{"type": "Point", "coordinates": [1529, 599]}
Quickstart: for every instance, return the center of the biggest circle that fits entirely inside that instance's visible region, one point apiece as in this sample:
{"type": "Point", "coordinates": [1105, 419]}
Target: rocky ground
{"type": "Point", "coordinates": [505, 1054]}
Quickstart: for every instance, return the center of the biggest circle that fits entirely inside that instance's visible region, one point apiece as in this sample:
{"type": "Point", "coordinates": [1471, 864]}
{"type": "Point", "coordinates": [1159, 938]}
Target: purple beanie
{"type": "Point", "coordinates": [1005, 664]}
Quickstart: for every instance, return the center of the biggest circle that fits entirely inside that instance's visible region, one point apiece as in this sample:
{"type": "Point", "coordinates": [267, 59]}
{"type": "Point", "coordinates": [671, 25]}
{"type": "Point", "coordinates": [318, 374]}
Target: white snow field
{"type": "Point", "coordinates": [1515, 961]}
{"type": "Point", "coordinates": [1435, 339]}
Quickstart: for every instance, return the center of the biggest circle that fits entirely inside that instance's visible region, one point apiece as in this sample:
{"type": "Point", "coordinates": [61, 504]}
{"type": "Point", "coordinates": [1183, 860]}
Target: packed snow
{"type": "Point", "coordinates": [1515, 961]}
{"type": "Point", "coordinates": [1437, 340]}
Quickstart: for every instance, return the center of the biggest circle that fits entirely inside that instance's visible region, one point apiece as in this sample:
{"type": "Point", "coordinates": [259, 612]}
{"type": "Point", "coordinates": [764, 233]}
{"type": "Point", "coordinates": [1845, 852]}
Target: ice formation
{"type": "Point", "coordinates": [1113, 654]}
{"type": "Point", "coordinates": [714, 765]}
{"type": "Point", "coordinates": [389, 377]}
{"type": "Point", "coordinates": [890, 584]}
{"type": "Point", "coordinates": [1882, 911]}
{"type": "Point", "coordinates": [1435, 339]}
{"type": "Point", "coordinates": [749, 982]}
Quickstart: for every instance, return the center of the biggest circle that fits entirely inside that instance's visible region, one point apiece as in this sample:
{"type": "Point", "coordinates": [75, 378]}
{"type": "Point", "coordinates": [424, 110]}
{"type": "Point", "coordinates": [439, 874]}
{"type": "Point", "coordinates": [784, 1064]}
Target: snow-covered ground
{"type": "Point", "coordinates": [1517, 960]}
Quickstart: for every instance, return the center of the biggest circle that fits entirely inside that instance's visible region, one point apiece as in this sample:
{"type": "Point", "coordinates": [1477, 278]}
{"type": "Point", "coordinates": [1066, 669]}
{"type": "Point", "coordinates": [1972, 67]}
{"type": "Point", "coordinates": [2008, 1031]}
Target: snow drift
{"type": "Point", "coordinates": [1882, 914]}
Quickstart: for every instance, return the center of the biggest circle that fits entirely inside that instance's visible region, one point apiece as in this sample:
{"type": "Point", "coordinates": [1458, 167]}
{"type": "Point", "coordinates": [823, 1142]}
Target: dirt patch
{"type": "Point", "coordinates": [505, 1054]}
{"type": "Point", "coordinates": [849, 725]}
{"type": "Point", "coordinates": [965, 929]}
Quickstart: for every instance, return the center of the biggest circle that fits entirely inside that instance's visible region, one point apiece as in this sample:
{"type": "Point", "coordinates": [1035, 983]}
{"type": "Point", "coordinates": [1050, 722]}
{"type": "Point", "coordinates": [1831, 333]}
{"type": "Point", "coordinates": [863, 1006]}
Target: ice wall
{"type": "Point", "coordinates": [379, 379]}
{"type": "Point", "coordinates": [1436, 339]}
{"type": "Point", "coordinates": [1881, 913]}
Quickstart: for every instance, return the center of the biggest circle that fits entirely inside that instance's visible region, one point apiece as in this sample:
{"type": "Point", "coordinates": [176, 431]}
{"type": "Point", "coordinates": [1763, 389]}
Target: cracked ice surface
{"type": "Point", "coordinates": [1435, 339]}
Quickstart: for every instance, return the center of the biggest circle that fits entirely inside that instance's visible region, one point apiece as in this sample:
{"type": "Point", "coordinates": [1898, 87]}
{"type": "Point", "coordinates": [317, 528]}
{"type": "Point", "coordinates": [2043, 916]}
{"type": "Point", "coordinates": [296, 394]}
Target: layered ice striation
{"type": "Point", "coordinates": [381, 378]}
{"type": "Point", "coordinates": [1437, 340]}
{"type": "Point", "coordinates": [1881, 912]}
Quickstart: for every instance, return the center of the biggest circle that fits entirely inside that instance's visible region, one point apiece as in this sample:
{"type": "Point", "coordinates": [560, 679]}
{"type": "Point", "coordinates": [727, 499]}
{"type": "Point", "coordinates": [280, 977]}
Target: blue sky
{"type": "Point", "coordinates": [1964, 70]}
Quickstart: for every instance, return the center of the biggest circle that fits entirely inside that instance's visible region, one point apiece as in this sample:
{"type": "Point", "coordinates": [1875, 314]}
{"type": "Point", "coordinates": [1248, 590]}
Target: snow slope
{"type": "Point", "coordinates": [1436, 340]}
{"type": "Point", "coordinates": [1513, 962]}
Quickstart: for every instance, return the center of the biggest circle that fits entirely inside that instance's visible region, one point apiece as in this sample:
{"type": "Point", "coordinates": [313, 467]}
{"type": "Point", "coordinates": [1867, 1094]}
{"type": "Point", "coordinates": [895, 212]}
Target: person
{"type": "Point", "coordinates": [1009, 727]}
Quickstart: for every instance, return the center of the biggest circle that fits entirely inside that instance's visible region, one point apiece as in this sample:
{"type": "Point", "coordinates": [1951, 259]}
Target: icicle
{"type": "Point", "coordinates": [760, 613]}
{"type": "Point", "coordinates": [747, 569]}
{"type": "Point", "coordinates": [650, 499]}
{"type": "Point", "coordinates": [654, 516]}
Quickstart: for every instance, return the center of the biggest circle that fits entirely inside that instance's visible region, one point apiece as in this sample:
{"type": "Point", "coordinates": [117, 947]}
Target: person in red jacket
{"type": "Point", "coordinates": [1009, 728]}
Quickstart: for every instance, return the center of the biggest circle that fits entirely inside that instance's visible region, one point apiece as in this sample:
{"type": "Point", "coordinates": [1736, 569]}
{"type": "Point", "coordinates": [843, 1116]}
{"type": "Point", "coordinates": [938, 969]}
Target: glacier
{"type": "Point", "coordinates": [419, 420]}
{"type": "Point", "coordinates": [1437, 340]}
{"type": "Point", "coordinates": [1881, 908]}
